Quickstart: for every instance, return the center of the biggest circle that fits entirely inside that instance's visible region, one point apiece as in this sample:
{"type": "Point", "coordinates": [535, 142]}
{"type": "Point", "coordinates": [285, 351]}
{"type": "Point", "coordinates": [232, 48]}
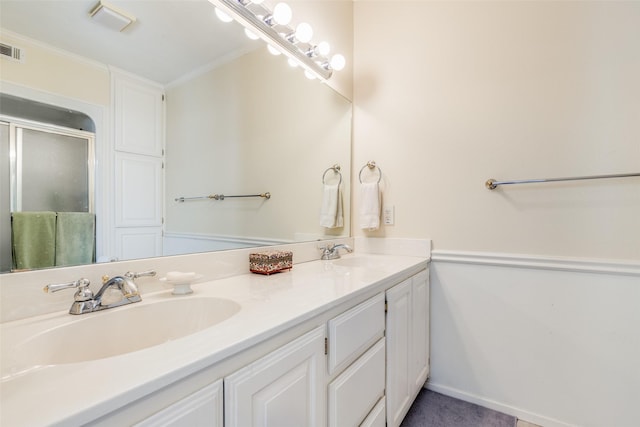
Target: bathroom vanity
{"type": "Point", "coordinates": [336, 343]}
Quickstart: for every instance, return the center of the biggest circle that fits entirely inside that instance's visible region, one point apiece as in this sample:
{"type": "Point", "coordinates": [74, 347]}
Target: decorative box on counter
{"type": "Point", "coordinates": [269, 262]}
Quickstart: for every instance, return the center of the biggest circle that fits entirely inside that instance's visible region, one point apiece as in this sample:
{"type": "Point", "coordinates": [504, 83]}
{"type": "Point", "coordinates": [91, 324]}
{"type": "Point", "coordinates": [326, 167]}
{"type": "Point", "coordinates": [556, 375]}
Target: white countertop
{"type": "Point", "coordinates": [77, 393]}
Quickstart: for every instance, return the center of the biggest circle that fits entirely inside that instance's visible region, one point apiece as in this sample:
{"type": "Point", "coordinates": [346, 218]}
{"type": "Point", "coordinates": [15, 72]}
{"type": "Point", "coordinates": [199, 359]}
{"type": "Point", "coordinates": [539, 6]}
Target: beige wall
{"type": "Point", "coordinates": [49, 70]}
{"type": "Point", "coordinates": [250, 126]}
{"type": "Point", "coordinates": [332, 21]}
{"type": "Point", "coordinates": [449, 94]}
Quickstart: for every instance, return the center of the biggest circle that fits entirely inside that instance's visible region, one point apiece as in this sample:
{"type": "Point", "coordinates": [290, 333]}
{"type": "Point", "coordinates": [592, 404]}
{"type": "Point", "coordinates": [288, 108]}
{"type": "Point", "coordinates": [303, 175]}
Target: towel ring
{"type": "Point", "coordinates": [371, 165]}
{"type": "Point", "coordinates": [336, 169]}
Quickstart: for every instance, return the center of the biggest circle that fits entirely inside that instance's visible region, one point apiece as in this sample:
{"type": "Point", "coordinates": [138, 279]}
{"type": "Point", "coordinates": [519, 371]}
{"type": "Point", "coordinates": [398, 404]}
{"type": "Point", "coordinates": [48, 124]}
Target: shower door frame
{"type": "Point", "coordinates": [16, 158]}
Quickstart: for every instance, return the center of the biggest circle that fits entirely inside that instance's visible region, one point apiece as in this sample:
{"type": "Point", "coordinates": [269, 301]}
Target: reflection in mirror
{"type": "Point", "coordinates": [47, 168]}
{"type": "Point", "coordinates": [238, 122]}
{"type": "Point", "coordinates": [47, 211]}
{"type": "Point", "coordinates": [257, 127]}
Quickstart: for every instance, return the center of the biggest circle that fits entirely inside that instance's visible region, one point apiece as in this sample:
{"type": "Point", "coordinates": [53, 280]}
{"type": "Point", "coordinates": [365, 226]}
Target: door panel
{"type": "Point", "coordinates": [138, 190]}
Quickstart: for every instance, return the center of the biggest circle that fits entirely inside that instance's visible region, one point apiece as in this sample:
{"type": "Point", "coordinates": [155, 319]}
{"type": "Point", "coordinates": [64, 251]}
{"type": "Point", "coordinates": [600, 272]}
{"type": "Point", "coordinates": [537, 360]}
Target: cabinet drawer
{"type": "Point", "coordinates": [354, 331]}
{"type": "Point", "coordinates": [377, 417]}
{"type": "Point", "coordinates": [355, 392]}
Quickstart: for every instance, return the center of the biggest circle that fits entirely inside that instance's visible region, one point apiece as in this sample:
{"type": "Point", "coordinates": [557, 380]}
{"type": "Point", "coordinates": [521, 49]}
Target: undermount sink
{"type": "Point", "coordinates": [371, 262]}
{"type": "Point", "coordinates": [122, 330]}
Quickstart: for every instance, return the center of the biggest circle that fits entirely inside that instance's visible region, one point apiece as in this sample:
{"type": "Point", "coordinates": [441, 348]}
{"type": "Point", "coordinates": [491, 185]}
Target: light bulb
{"type": "Point", "coordinates": [223, 16]}
{"type": "Point", "coordinates": [308, 74]}
{"type": "Point", "coordinates": [304, 32]}
{"type": "Point", "coordinates": [282, 13]}
{"type": "Point", "coordinates": [338, 62]}
{"type": "Point", "coordinates": [323, 48]}
{"type": "Point", "coordinates": [272, 50]}
{"type": "Point", "coordinates": [250, 34]}
{"type": "Point", "coordinates": [292, 62]}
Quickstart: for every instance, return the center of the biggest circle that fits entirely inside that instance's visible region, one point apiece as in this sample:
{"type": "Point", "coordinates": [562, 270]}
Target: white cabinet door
{"type": "Point", "coordinates": [138, 242]}
{"type": "Point", "coordinates": [286, 388]}
{"type": "Point", "coordinates": [399, 334]}
{"type": "Point", "coordinates": [203, 409]}
{"type": "Point", "coordinates": [138, 115]}
{"type": "Point", "coordinates": [138, 206]}
{"type": "Point", "coordinates": [420, 329]}
{"type": "Point", "coordinates": [407, 344]}
{"type": "Point", "coordinates": [138, 112]}
{"type": "Point", "coordinates": [138, 191]}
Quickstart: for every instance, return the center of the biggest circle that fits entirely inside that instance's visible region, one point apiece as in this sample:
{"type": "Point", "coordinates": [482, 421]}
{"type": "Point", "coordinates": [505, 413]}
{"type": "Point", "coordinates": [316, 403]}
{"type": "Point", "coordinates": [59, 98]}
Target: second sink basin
{"type": "Point", "coordinates": [371, 262]}
{"type": "Point", "coordinates": [122, 330]}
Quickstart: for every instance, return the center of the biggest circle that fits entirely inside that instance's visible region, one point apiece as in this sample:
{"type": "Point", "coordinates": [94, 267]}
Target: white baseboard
{"type": "Point", "coordinates": [496, 406]}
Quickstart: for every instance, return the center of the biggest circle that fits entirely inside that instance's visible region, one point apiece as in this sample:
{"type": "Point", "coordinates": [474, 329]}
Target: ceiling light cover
{"type": "Point", "coordinates": [111, 17]}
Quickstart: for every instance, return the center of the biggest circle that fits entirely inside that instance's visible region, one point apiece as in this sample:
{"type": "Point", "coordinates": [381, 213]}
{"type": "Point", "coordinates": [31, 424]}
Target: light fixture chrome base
{"type": "Point", "coordinates": [256, 18]}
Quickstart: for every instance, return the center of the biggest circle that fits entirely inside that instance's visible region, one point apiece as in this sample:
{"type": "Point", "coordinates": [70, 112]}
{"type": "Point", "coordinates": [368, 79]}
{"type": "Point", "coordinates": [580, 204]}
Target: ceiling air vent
{"type": "Point", "coordinates": [12, 52]}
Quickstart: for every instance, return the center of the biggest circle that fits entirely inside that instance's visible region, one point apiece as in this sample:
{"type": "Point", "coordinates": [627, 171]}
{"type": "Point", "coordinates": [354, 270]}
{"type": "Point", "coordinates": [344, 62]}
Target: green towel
{"type": "Point", "coordinates": [75, 238]}
{"type": "Point", "coordinates": [33, 237]}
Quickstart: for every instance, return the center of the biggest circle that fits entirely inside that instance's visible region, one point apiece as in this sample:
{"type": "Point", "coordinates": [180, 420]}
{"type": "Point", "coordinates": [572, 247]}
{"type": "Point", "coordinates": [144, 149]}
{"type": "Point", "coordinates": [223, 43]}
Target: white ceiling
{"type": "Point", "coordinates": [170, 38]}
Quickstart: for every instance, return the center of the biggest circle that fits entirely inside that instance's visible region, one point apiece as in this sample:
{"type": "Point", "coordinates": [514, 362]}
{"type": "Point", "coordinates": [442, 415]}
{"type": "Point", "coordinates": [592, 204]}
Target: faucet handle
{"type": "Point", "coordinates": [326, 249]}
{"type": "Point", "coordinates": [82, 294]}
{"type": "Point", "coordinates": [132, 275]}
{"type": "Point", "coordinates": [331, 251]}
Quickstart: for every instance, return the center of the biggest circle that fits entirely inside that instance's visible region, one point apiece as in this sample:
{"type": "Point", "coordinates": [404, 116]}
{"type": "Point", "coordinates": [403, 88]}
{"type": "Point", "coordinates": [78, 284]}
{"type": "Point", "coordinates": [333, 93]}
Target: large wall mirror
{"type": "Point", "coordinates": [237, 120]}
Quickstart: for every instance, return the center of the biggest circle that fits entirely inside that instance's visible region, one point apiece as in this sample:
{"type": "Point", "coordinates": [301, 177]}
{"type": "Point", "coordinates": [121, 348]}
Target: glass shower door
{"type": "Point", "coordinates": [53, 171]}
{"type": "Point", "coordinates": [5, 191]}
{"type": "Point", "coordinates": [43, 168]}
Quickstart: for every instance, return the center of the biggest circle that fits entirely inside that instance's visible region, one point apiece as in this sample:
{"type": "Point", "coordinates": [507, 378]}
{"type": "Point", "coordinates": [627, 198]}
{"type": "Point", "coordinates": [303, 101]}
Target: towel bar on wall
{"type": "Point", "coordinates": [266, 195]}
{"type": "Point", "coordinates": [492, 184]}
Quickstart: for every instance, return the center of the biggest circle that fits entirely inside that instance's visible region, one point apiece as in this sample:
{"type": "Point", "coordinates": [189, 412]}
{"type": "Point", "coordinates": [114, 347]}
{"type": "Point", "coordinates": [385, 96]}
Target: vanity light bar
{"type": "Point", "coordinates": [318, 65]}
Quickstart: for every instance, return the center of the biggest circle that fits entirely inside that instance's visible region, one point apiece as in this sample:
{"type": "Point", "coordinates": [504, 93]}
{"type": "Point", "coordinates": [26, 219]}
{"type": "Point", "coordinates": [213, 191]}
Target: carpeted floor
{"type": "Point", "coordinates": [432, 409]}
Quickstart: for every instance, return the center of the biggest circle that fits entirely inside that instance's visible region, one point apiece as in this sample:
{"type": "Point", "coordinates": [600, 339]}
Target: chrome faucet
{"type": "Point", "coordinates": [86, 302]}
{"type": "Point", "coordinates": [332, 251]}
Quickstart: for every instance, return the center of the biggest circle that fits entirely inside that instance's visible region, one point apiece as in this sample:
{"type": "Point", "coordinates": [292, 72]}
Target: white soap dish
{"type": "Point", "coordinates": [181, 281]}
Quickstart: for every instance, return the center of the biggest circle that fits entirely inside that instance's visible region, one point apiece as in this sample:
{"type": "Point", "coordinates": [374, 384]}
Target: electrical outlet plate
{"type": "Point", "coordinates": [388, 216]}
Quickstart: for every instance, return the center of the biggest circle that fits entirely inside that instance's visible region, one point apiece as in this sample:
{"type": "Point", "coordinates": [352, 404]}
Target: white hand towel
{"type": "Point", "coordinates": [369, 206]}
{"type": "Point", "coordinates": [331, 211]}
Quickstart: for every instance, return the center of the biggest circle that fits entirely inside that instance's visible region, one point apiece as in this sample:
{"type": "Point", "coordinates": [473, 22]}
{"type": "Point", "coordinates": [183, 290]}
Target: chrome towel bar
{"type": "Point", "coordinates": [266, 195]}
{"type": "Point", "coordinates": [492, 184]}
